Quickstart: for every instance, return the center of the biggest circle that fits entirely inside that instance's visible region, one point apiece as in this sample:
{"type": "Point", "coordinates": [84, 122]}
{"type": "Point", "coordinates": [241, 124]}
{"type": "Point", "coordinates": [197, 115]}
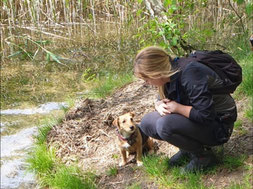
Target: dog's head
{"type": "Point", "coordinates": [125, 124]}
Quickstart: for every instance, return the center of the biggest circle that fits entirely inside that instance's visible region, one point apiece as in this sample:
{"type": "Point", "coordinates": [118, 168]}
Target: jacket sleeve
{"type": "Point", "coordinates": [195, 83]}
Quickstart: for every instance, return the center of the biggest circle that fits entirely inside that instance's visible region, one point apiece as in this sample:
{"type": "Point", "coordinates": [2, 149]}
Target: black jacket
{"type": "Point", "coordinates": [193, 85]}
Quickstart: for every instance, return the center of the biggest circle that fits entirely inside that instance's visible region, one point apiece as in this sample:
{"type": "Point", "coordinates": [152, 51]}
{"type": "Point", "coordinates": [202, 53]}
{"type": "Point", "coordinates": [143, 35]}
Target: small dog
{"type": "Point", "coordinates": [130, 139]}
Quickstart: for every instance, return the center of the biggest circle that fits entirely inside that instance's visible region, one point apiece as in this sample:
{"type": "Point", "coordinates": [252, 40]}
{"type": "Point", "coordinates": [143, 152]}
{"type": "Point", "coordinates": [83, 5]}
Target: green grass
{"type": "Point", "coordinates": [238, 124]}
{"type": "Point", "coordinates": [43, 130]}
{"type": "Point", "coordinates": [246, 183]}
{"type": "Point", "coordinates": [42, 159]}
{"type": "Point", "coordinates": [112, 171]}
{"type": "Point", "coordinates": [71, 178]}
{"type": "Point", "coordinates": [247, 67]}
{"type": "Point", "coordinates": [49, 170]}
{"type": "Point", "coordinates": [53, 174]}
{"type": "Point", "coordinates": [107, 84]}
{"type": "Point", "coordinates": [249, 110]}
{"type": "Point", "coordinates": [231, 163]}
{"type": "Point", "coordinates": [157, 167]}
{"type": "Point", "coordinates": [240, 50]}
{"type": "Point", "coordinates": [134, 186]}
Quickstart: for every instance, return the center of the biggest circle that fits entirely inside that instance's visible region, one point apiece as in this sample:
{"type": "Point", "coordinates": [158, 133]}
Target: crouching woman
{"type": "Point", "coordinates": [187, 114]}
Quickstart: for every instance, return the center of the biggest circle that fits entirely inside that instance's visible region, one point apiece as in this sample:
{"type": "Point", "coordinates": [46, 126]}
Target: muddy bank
{"type": "Point", "coordinates": [87, 134]}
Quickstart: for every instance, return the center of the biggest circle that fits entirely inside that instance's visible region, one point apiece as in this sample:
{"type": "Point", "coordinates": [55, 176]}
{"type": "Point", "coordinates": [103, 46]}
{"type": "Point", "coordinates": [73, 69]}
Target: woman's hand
{"type": "Point", "coordinates": [167, 106]}
{"type": "Point", "coordinates": [172, 106]}
{"type": "Point", "coordinates": [161, 107]}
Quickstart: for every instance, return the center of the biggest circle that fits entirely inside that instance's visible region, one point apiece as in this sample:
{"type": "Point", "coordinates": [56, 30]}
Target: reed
{"type": "Point", "coordinates": [215, 19]}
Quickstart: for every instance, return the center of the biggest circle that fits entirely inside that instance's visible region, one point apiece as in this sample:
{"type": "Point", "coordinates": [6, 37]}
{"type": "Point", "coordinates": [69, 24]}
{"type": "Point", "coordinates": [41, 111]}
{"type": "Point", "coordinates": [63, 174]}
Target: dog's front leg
{"type": "Point", "coordinates": [124, 157]}
{"type": "Point", "coordinates": [139, 156]}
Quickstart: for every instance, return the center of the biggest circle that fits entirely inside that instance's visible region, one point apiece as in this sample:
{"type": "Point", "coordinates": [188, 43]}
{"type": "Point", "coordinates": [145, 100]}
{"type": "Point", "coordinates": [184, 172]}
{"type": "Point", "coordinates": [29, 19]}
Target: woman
{"type": "Point", "coordinates": [187, 114]}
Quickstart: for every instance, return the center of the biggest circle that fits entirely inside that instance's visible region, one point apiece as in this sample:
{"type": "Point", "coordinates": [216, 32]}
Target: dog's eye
{"type": "Point", "coordinates": [131, 119]}
{"type": "Point", "coordinates": [124, 121]}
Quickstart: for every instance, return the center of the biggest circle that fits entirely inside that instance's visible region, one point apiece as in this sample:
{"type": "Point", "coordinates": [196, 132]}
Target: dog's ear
{"type": "Point", "coordinates": [132, 114]}
{"type": "Point", "coordinates": [116, 122]}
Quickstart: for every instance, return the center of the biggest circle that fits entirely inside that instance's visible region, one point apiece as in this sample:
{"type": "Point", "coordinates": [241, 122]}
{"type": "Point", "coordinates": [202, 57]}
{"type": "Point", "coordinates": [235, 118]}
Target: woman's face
{"type": "Point", "coordinates": [157, 82]}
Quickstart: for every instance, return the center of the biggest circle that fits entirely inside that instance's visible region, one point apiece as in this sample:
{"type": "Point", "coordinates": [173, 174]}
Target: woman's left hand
{"type": "Point", "coordinates": [172, 106]}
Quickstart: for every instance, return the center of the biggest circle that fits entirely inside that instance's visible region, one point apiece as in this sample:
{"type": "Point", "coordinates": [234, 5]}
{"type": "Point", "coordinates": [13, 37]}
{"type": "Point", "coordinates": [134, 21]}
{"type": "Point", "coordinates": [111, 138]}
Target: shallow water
{"type": "Point", "coordinates": [42, 109]}
{"type": "Point", "coordinates": [14, 120]}
{"type": "Point", "coordinates": [15, 147]}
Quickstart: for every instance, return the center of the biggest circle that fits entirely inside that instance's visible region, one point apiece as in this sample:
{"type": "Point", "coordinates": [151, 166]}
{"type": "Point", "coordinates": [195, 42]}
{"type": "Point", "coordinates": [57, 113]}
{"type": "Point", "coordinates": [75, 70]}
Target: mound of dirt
{"type": "Point", "coordinates": [88, 137]}
{"type": "Point", "coordinates": [87, 134]}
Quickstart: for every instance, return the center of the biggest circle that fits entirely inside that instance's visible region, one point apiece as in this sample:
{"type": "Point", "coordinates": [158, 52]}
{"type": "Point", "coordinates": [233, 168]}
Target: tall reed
{"type": "Point", "coordinates": [63, 18]}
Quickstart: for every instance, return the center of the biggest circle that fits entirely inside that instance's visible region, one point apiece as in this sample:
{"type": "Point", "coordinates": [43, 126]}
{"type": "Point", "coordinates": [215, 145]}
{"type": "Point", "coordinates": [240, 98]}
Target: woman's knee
{"type": "Point", "coordinates": [164, 128]}
{"type": "Point", "coordinates": [148, 123]}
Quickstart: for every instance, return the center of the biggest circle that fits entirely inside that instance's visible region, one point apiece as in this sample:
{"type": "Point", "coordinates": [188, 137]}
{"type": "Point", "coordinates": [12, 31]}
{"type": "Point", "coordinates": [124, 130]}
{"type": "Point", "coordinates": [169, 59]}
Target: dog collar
{"type": "Point", "coordinates": [130, 140]}
{"type": "Point", "coordinates": [120, 136]}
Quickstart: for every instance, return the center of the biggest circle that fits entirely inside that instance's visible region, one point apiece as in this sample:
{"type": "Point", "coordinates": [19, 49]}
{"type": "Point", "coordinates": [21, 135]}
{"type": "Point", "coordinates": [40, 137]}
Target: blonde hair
{"type": "Point", "coordinates": [153, 63]}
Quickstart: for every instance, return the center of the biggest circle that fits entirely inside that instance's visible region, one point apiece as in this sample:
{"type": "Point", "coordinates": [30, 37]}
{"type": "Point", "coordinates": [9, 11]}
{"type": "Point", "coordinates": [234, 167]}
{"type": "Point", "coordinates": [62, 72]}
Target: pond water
{"type": "Point", "coordinates": [27, 82]}
{"type": "Point", "coordinates": [15, 146]}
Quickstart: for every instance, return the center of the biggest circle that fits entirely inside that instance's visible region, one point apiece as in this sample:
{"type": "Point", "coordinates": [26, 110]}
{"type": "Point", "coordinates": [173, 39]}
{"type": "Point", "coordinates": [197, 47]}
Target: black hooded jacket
{"type": "Point", "coordinates": [193, 85]}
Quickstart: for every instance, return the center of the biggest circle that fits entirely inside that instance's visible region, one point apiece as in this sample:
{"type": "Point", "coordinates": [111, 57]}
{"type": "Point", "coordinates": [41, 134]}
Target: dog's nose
{"type": "Point", "coordinates": [132, 127]}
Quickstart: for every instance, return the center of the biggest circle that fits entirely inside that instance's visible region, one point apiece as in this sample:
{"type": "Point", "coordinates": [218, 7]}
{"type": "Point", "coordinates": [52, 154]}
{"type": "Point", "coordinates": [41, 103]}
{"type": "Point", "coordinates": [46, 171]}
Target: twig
{"type": "Point", "coordinates": [240, 17]}
{"type": "Point", "coordinates": [104, 133]}
{"type": "Point", "coordinates": [231, 149]}
{"type": "Point", "coordinates": [47, 33]}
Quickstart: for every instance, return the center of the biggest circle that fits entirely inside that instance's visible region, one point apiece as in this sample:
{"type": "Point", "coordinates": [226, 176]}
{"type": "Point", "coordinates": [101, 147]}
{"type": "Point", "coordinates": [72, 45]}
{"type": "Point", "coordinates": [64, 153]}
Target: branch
{"type": "Point", "coordinates": [240, 17]}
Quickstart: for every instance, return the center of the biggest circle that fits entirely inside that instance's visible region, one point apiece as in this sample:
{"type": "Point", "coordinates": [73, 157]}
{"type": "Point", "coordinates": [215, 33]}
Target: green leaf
{"type": "Point", "coordinates": [239, 2]}
{"type": "Point", "coordinates": [139, 1]}
{"type": "Point", "coordinates": [48, 57]}
{"type": "Point", "coordinates": [174, 7]}
{"type": "Point", "coordinates": [161, 33]}
{"type": "Point", "coordinates": [15, 54]}
{"type": "Point", "coordinates": [249, 9]}
{"type": "Point", "coordinates": [166, 3]}
{"type": "Point", "coordinates": [174, 41]}
{"type": "Point", "coordinates": [139, 12]}
{"type": "Point", "coordinates": [54, 57]}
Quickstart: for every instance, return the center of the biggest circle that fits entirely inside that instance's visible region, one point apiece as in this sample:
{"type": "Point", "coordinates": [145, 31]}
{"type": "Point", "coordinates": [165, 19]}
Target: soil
{"type": "Point", "coordinates": [88, 137]}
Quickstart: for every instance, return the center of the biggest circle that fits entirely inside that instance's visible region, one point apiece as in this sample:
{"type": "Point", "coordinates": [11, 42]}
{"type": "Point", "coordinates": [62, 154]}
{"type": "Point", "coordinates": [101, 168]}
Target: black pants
{"type": "Point", "coordinates": [180, 131]}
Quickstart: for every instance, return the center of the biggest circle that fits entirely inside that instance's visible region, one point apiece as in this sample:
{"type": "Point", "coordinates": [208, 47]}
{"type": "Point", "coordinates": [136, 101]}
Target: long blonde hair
{"type": "Point", "coordinates": [153, 63]}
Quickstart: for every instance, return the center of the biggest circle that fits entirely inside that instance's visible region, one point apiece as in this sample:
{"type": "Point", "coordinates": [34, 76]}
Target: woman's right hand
{"type": "Point", "coordinates": [160, 107]}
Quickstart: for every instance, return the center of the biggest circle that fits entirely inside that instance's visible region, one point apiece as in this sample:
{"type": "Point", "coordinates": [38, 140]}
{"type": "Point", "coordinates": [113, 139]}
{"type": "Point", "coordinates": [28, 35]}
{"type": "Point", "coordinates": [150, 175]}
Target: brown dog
{"type": "Point", "coordinates": [130, 139]}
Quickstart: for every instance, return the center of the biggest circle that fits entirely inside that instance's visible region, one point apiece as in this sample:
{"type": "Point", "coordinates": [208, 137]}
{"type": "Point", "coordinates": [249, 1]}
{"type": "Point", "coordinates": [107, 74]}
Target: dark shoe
{"type": "Point", "coordinates": [200, 162]}
{"type": "Point", "coordinates": [179, 158]}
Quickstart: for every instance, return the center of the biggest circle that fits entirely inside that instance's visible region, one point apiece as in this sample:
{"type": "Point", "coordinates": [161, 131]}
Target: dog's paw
{"type": "Point", "coordinates": [139, 163]}
{"type": "Point", "coordinates": [126, 145]}
{"type": "Point", "coordinates": [150, 152]}
{"type": "Point", "coordinates": [122, 163]}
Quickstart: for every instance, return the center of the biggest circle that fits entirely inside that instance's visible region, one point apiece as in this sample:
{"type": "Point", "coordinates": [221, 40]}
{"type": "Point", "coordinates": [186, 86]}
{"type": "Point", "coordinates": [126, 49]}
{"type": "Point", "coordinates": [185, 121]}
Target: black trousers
{"type": "Point", "coordinates": [180, 131]}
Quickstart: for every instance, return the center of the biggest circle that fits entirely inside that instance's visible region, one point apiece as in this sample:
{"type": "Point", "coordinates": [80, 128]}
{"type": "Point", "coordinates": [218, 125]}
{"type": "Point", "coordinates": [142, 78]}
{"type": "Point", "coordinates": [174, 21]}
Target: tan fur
{"type": "Point", "coordinates": [124, 124]}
